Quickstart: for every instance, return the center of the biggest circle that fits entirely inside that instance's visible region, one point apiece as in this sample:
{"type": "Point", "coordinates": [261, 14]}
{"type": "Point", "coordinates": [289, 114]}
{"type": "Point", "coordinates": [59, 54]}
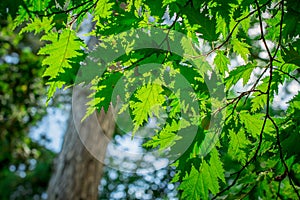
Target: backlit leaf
{"type": "Point", "coordinates": [63, 47]}
{"type": "Point", "coordinates": [241, 72]}
{"type": "Point", "coordinates": [221, 61]}
{"type": "Point", "coordinates": [240, 48]}
{"type": "Point", "coordinates": [149, 99]}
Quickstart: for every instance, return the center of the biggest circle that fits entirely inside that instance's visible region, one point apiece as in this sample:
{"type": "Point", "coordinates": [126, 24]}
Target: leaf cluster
{"type": "Point", "coordinates": [251, 47]}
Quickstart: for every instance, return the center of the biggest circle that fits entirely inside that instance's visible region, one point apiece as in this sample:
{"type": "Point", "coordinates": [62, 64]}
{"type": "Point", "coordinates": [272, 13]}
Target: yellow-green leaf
{"type": "Point", "coordinates": [63, 47]}
{"type": "Point", "coordinates": [149, 98]}
{"type": "Point", "coordinates": [240, 48]}
{"type": "Point", "coordinates": [221, 61]}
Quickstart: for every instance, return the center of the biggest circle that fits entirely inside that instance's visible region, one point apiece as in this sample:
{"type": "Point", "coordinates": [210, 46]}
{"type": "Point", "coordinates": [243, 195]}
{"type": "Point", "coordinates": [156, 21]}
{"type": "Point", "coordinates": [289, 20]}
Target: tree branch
{"type": "Point", "coordinates": [262, 31]}
{"type": "Point", "coordinates": [235, 26]}
{"type": "Point", "coordinates": [280, 29]}
{"type": "Point", "coordinates": [291, 76]}
{"type": "Point", "coordinates": [281, 156]}
{"type": "Point", "coordinates": [64, 11]}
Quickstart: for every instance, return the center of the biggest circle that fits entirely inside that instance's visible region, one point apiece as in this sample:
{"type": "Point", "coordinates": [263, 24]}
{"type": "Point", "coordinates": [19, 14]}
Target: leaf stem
{"type": "Point", "coordinates": [235, 26]}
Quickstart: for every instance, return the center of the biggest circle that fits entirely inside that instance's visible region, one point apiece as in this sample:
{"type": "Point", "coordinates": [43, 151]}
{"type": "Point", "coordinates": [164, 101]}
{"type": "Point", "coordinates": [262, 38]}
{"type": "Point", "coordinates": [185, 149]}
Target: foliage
{"type": "Point", "coordinates": [25, 165]}
{"type": "Point", "coordinates": [256, 146]}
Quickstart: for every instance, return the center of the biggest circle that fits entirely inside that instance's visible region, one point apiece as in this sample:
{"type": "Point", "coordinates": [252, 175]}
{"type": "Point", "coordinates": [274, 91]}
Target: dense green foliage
{"type": "Point", "coordinates": [250, 43]}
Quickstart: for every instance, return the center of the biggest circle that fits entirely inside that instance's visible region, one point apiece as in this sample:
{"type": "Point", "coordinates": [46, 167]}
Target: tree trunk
{"type": "Point", "coordinates": [79, 168]}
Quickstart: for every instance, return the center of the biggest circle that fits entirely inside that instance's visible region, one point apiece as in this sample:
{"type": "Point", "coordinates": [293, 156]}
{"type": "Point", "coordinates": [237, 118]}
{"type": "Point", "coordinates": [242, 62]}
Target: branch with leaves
{"type": "Point", "coordinates": [252, 131]}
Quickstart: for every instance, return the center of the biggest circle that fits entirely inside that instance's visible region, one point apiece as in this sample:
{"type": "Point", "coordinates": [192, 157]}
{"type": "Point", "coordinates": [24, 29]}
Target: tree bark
{"type": "Point", "coordinates": [79, 168]}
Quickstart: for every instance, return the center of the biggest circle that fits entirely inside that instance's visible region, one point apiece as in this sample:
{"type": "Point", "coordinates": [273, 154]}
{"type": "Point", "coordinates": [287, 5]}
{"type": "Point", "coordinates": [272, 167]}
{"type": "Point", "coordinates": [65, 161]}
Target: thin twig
{"type": "Point", "coordinates": [64, 11]}
{"type": "Point", "coordinates": [291, 76]}
{"type": "Point", "coordinates": [85, 10]}
{"type": "Point", "coordinates": [257, 81]}
{"type": "Point", "coordinates": [281, 156]}
{"type": "Point", "coordinates": [235, 26]}
{"type": "Point", "coordinates": [169, 30]}
{"type": "Point", "coordinates": [238, 173]}
{"type": "Point", "coordinates": [253, 89]}
{"type": "Point", "coordinates": [268, 93]}
{"type": "Point", "coordinates": [280, 29]}
{"type": "Point", "coordinates": [267, 115]}
{"type": "Point", "coordinates": [262, 30]}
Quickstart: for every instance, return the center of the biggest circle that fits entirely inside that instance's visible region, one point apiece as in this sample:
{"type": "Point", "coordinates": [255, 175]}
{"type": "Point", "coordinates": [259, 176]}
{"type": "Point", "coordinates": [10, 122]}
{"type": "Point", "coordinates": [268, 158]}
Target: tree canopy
{"type": "Point", "coordinates": [211, 71]}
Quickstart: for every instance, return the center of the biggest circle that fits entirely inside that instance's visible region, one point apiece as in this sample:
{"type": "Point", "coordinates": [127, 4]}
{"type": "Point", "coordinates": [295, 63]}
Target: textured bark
{"type": "Point", "coordinates": [78, 168]}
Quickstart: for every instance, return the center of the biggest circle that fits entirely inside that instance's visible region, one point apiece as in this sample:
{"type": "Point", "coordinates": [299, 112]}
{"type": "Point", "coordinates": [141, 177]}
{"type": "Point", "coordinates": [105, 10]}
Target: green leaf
{"type": "Point", "coordinates": [241, 72]}
{"type": "Point", "coordinates": [288, 68]}
{"type": "Point", "coordinates": [292, 140]}
{"type": "Point", "coordinates": [21, 17]}
{"type": "Point", "coordinates": [258, 102]}
{"type": "Point", "coordinates": [39, 5]}
{"type": "Point", "coordinates": [221, 26]}
{"type": "Point", "coordinates": [149, 98]}
{"type": "Point", "coordinates": [103, 9]}
{"type": "Point", "coordinates": [53, 86]}
{"type": "Point", "coordinates": [240, 48]}
{"type": "Point", "coordinates": [106, 90]}
{"type": "Point", "coordinates": [197, 184]}
{"type": "Point", "coordinates": [294, 104]}
{"type": "Point", "coordinates": [175, 107]}
{"type": "Point", "coordinates": [216, 166]}
{"type": "Point", "coordinates": [253, 123]}
{"type": "Point", "coordinates": [166, 137]}
{"type": "Point", "coordinates": [194, 186]}
{"type": "Point", "coordinates": [273, 30]}
{"type": "Point", "coordinates": [291, 56]}
{"type": "Point", "coordinates": [245, 24]}
{"type": "Point", "coordinates": [156, 8]}
{"type": "Point", "coordinates": [207, 25]}
{"type": "Point", "coordinates": [92, 105]}
{"type": "Point", "coordinates": [191, 54]}
{"type": "Point", "coordinates": [221, 61]}
{"type": "Point", "coordinates": [63, 47]}
{"type": "Point", "coordinates": [237, 145]}
{"type": "Point", "coordinates": [37, 25]}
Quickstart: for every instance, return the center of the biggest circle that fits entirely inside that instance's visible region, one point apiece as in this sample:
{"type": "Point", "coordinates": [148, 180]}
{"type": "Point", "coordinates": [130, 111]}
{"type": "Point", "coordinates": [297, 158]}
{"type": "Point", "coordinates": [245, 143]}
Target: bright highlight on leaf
{"type": "Point", "coordinates": [240, 48]}
{"type": "Point", "coordinates": [63, 47]}
{"type": "Point", "coordinates": [241, 72]}
{"type": "Point", "coordinates": [221, 61]}
{"type": "Point", "coordinates": [166, 137]}
{"type": "Point", "coordinates": [150, 99]}
{"type": "Point", "coordinates": [37, 25]}
{"type": "Point", "coordinates": [200, 182]}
